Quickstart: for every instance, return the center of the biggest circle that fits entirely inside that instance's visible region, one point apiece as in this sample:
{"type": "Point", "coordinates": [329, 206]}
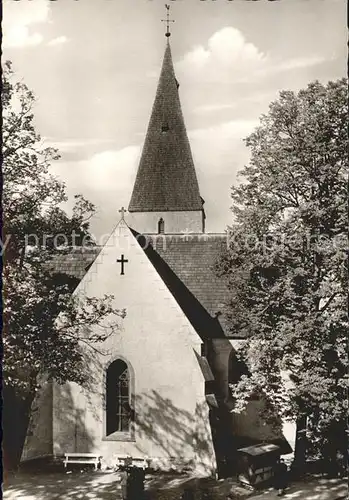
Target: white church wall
{"type": "Point", "coordinates": [157, 340]}
{"type": "Point", "coordinates": [39, 439]}
{"type": "Point", "coordinates": [69, 420]}
{"type": "Point", "coordinates": [249, 423]}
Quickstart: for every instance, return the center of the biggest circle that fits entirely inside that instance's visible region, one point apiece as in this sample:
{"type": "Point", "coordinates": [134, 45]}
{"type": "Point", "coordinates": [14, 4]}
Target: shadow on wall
{"type": "Point", "coordinates": [231, 430]}
{"type": "Point", "coordinates": [177, 436]}
{"type": "Point", "coordinates": [57, 415]}
{"type": "Point", "coordinates": [75, 405]}
{"type": "Point", "coordinates": [70, 434]}
{"type": "Point", "coordinates": [174, 432]}
{"type": "Point", "coordinates": [251, 426]}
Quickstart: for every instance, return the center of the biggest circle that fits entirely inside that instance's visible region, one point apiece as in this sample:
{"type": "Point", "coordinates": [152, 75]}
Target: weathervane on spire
{"type": "Point", "coordinates": [167, 21]}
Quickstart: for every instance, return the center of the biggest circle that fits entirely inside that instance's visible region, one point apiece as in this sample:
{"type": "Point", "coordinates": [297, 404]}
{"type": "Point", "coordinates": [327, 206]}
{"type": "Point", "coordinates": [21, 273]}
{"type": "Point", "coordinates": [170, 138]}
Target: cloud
{"type": "Point", "coordinates": [114, 169]}
{"type": "Point", "coordinates": [69, 144]}
{"type": "Point", "coordinates": [106, 179]}
{"type": "Point", "coordinates": [248, 103]}
{"type": "Point", "coordinates": [58, 41]}
{"type": "Point", "coordinates": [208, 108]}
{"type": "Point", "coordinates": [103, 177]}
{"type": "Point", "coordinates": [18, 20]}
{"type": "Point", "coordinates": [215, 148]}
{"type": "Point", "coordinates": [112, 172]}
{"type": "Point", "coordinates": [229, 57]}
{"type": "Point", "coordinates": [297, 63]}
{"type": "Point", "coordinates": [227, 53]}
{"type": "Point", "coordinates": [223, 131]}
{"type": "Point", "coordinates": [77, 149]}
{"type": "Point", "coordinates": [219, 153]}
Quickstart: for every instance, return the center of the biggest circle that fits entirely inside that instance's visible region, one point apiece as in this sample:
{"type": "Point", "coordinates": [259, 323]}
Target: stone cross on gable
{"type": "Point", "coordinates": [122, 212]}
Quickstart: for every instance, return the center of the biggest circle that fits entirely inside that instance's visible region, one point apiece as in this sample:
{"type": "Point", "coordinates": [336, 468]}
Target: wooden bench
{"type": "Point", "coordinates": [140, 462]}
{"type": "Point", "coordinates": [82, 458]}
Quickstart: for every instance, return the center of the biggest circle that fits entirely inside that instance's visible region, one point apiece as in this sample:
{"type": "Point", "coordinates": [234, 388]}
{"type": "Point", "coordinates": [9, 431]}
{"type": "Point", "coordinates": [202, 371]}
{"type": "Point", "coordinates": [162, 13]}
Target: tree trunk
{"type": "Point", "coordinates": [299, 462]}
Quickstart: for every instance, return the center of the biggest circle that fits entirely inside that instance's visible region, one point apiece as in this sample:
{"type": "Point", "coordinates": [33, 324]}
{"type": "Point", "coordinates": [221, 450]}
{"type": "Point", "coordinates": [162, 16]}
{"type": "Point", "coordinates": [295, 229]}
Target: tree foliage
{"type": "Point", "coordinates": [35, 342]}
{"type": "Point", "coordinates": [287, 264]}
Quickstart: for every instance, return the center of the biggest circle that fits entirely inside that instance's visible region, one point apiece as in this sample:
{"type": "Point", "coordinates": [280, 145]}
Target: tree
{"type": "Point", "coordinates": [42, 321]}
{"type": "Point", "coordinates": [287, 267]}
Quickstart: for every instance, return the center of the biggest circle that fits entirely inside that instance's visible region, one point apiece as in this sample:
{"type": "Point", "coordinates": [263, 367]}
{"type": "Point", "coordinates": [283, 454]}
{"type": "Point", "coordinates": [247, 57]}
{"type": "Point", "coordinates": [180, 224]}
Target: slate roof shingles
{"type": "Point", "coordinates": [191, 258]}
{"type": "Point", "coordinates": [166, 178]}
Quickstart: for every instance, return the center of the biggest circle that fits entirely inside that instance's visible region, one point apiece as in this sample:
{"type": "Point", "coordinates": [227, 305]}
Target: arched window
{"type": "Point", "coordinates": [161, 226]}
{"type": "Point", "coordinates": [118, 398]}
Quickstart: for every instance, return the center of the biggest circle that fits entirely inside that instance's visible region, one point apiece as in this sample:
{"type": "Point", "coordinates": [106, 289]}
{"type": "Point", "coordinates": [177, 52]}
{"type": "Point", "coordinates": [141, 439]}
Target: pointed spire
{"type": "Point", "coordinates": [166, 178]}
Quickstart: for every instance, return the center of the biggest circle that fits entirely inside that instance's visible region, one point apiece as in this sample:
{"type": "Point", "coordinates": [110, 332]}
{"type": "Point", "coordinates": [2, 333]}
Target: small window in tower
{"type": "Point", "coordinates": [161, 226]}
{"type": "Point", "coordinates": [165, 128]}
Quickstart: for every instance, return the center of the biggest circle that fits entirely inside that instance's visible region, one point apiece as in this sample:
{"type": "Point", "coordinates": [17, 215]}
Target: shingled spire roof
{"type": "Point", "coordinates": [166, 178]}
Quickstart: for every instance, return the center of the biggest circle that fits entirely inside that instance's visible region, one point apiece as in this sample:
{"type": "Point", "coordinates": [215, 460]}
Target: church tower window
{"type": "Point", "coordinates": [118, 409]}
{"type": "Point", "coordinates": [161, 226]}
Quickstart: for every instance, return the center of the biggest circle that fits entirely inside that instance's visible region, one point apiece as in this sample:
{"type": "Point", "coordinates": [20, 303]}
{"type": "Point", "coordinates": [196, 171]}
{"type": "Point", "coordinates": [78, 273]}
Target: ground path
{"type": "Point", "coordinates": [104, 486]}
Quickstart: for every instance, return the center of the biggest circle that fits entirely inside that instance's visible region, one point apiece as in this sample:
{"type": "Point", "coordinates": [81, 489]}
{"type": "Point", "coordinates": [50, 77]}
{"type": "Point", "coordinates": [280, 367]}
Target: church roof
{"type": "Point", "coordinates": [166, 178]}
{"type": "Point", "coordinates": [184, 262]}
{"type": "Point", "coordinates": [191, 257]}
{"type": "Point", "coordinates": [73, 262]}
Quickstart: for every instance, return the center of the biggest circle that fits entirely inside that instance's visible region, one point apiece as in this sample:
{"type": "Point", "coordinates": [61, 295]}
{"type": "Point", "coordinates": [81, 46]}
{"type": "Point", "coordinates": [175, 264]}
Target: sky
{"type": "Point", "coordinates": [93, 66]}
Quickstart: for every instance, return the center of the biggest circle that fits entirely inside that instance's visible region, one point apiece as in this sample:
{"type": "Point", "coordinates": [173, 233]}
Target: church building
{"type": "Point", "coordinates": [160, 389]}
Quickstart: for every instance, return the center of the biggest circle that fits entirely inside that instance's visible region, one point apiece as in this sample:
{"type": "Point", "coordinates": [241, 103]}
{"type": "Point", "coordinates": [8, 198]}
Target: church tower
{"type": "Point", "coordinates": [166, 197]}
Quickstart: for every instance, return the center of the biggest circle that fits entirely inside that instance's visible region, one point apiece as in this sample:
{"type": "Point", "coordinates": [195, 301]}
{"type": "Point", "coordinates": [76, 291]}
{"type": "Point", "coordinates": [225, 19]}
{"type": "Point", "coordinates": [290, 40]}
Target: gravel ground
{"type": "Point", "coordinates": [104, 486]}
